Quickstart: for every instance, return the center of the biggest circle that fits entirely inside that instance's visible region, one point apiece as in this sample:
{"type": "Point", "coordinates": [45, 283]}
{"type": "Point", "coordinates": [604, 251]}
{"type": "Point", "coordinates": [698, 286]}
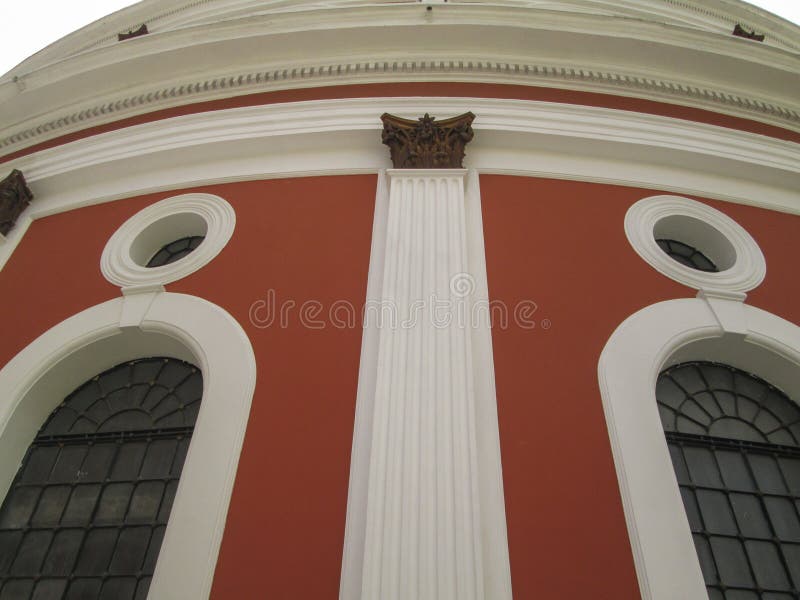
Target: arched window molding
{"type": "Point", "coordinates": [649, 340]}
{"type": "Point", "coordinates": [35, 381]}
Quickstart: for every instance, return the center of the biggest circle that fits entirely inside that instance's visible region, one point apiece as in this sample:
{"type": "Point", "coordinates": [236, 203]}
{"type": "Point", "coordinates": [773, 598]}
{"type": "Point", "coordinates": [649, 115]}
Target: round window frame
{"type": "Point", "coordinates": [745, 273]}
{"type": "Point", "coordinates": [118, 265]}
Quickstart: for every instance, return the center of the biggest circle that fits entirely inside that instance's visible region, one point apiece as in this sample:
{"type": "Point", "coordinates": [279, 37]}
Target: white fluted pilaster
{"type": "Point", "coordinates": [422, 536]}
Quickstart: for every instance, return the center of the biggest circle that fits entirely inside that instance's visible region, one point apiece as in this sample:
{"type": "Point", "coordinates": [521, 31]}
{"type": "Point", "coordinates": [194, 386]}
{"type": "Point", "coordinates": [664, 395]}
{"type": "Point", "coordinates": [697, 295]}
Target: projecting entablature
{"type": "Point", "coordinates": [681, 53]}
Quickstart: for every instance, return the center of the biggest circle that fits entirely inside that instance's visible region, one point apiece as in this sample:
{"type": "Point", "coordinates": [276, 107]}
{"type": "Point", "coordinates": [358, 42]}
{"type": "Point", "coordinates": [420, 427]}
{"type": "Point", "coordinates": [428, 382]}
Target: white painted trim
{"type": "Point", "coordinates": [748, 267]}
{"type": "Point", "coordinates": [256, 48]}
{"type": "Point", "coordinates": [393, 69]}
{"type": "Point", "coordinates": [356, 522]}
{"type": "Point", "coordinates": [151, 228]}
{"type": "Point", "coordinates": [343, 136]}
{"type": "Point", "coordinates": [186, 327]}
{"type": "Point", "coordinates": [497, 569]}
{"type": "Point", "coordinates": [169, 15]}
{"type": "Point", "coordinates": [645, 343]}
{"type": "Point", "coordinates": [314, 117]}
{"type": "Point", "coordinates": [333, 137]}
{"type": "Point", "coordinates": [423, 517]}
{"type": "Point", "coordinates": [426, 513]}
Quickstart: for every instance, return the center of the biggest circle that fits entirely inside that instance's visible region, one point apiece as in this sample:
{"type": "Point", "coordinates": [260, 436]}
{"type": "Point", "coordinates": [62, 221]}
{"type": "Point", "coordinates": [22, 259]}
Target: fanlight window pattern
{"type": "Point", "coordinates": [86, 513]}
{"type": "Point", "coordinates": [176, 250]}
{"type": "Point", "coordinates": [687, 255]}
{"type": "Point", "coordinates": [735, 445]}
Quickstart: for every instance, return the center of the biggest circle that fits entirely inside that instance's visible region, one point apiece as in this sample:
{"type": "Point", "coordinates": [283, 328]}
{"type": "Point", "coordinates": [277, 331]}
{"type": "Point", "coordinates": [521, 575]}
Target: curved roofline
{"type": "Point", "coordinates": [169, 15]}
{"type": "Point", "coordinates": [650, 49]}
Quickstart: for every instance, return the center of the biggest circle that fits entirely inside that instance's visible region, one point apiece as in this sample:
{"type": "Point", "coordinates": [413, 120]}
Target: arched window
{"type": "Point", "coordinates": [734, 441]}
{"type": "Point", "coordinates": [86, 513]}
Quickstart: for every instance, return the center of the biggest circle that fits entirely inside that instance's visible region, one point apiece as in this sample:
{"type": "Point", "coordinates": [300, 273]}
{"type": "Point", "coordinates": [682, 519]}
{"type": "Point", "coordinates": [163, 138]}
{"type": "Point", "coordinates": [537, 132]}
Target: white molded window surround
{"type": "Point", "coordinates": [189, 216]}
{"type": "Point", "coordinates": [178, 326]}
{"type": "Point", "coordinates": [739, 261]}
{"type": "Point", "coordinates": [656, 337]}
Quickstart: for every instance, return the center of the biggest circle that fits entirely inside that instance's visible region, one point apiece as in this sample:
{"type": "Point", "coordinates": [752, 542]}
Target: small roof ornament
{"type": "Point", "coordinates": [740, 31]}
{"type": "Point", "coordinates": [427, 143]}
{"type": "Point", "coordinates": [132, 33]}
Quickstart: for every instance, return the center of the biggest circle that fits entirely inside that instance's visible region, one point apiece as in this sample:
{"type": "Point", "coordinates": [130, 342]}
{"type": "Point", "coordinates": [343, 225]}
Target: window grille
{"type": "Point", "coordinates": [687, 255]}
{"type": "Point", "coordinates": [176, 250]}
{"type": "Point", "coordinates": [734, 441]}
{"type": "Point", "coordinates": [86, 513]}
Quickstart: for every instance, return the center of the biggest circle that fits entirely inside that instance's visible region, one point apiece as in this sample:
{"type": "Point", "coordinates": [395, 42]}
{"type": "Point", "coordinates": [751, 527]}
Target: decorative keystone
{"type": "Point", "coordinates": [427, 143]}
{"type": "Point", "coordinates": [15, 196]}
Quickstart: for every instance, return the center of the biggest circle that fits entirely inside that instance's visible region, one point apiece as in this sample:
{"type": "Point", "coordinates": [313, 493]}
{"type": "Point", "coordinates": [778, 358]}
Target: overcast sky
{"type": "Point", "coordinates": [30, 25]}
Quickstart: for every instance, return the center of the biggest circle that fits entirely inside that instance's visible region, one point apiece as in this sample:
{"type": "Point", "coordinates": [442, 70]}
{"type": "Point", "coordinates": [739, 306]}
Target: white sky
{"type": "Point", "coordinates": [30, 25]}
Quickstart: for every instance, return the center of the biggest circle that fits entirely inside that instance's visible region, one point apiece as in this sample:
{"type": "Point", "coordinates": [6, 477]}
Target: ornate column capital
{"type": "Point", "coordinates": [14, 198]}
{"type": "Point", "coordinates": [427, 143]}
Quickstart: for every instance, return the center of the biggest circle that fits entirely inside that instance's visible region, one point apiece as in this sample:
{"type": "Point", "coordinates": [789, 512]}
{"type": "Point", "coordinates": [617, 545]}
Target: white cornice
{"type": "Point", "coordinates": [460, 42]}
{"type": "Point", "coordinates": [335, 137]}
{"type": "Point", "coordinates": [343, 136]}
{"type": "Point", "coordinates": [393, 70]}
{"type": "Point", "coordinates": [285, 121]}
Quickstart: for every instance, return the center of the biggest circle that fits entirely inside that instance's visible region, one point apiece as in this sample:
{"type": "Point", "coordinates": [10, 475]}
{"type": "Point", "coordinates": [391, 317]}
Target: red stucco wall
{"type": "Point", "coordinates": [308, 239]}
{"type": "Point", "coordinates": [560, 244]}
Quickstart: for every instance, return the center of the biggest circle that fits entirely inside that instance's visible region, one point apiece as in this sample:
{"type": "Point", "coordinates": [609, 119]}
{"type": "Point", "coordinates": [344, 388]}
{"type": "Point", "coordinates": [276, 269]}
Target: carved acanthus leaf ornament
{"type": "Point", "coordinates": [15, 196]}
{"type": "Point", "coordinates": [427, 143]}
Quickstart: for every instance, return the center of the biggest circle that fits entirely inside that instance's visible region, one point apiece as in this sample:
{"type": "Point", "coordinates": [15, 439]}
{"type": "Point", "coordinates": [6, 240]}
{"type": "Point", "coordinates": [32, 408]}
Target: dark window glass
{"type": "Point", "coordinates": [687, 255]}
{"type": "Point", "coordinates": [86, 514]}
{"type": "Point", "coordinates": [175, 251]}
{"type": "Point", "coordinates": [735, 444]}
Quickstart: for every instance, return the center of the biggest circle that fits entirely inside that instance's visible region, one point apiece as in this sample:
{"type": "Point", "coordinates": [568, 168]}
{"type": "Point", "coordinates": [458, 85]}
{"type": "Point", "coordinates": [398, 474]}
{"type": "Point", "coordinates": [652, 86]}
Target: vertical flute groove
{"type": "Point", "coordinates": [423, 528]}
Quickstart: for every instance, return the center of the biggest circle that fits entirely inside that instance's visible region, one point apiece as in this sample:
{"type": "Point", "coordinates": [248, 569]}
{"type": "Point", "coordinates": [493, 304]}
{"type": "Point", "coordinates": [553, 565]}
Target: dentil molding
{"type": "Point", "coordinates": [680, 52]}
{"type": "Point", "coordinates": [400, 69]}
{"type": "Point", "coordinates": [334, 137]}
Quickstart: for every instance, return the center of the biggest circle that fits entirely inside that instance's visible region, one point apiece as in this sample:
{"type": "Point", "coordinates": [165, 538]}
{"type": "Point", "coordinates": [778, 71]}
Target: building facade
{"type": "Point", "coordinates": [429, 370]}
